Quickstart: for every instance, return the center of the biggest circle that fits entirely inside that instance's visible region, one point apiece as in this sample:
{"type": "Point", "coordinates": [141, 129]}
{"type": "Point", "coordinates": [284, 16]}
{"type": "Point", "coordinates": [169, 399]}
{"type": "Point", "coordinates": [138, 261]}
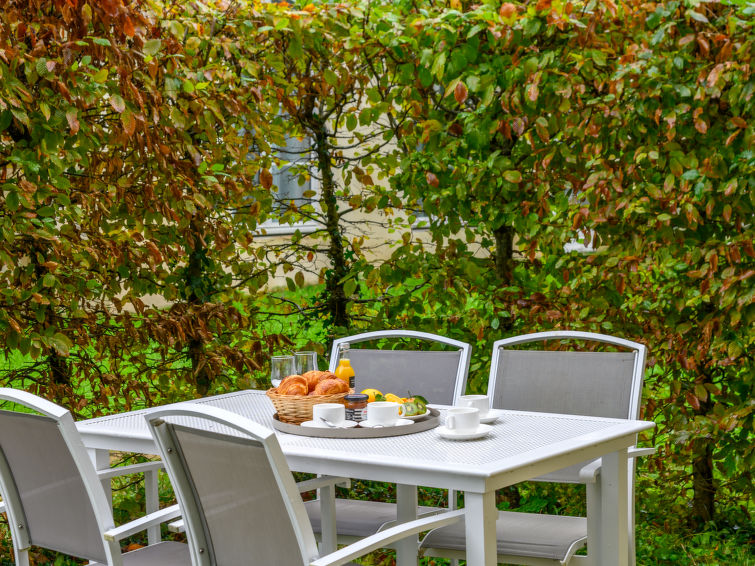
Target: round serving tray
{"type": "Point", "coordinates": [431, 421]}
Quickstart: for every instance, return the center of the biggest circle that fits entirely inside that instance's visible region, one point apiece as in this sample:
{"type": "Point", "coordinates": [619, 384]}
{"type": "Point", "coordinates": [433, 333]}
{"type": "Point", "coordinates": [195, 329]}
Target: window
{"type": "Point", "coordinates": [290, 192]}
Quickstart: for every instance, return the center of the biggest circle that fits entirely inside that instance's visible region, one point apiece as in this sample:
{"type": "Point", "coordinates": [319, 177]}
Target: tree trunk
{"type": "Point", "coordinates": [704, 489]}
{"type": "Point", "coordinates": [336, 299]}
{"type": "Point", "coordinates": [504, 254]}
{"type": "Point", "coordinates": [703, 502]}
{"type": "Point", "coordinates": [59, 370]}
{"type": "Point", "coordinates": [195, 275]}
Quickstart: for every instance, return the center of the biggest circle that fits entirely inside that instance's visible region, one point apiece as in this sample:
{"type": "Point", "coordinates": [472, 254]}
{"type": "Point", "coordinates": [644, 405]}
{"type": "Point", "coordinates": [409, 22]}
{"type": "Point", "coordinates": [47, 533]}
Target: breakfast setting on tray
{"type": "Point", "coordinates": [324, 403]}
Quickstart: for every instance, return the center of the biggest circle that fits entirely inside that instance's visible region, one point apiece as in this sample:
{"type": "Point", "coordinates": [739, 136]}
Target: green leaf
{"type": "Point", "coordinates": [102, 41]}
{"type": "Point", "coordinates": [349, 287]}
{"type": "Point", "coordinates": [100, 76]}
{"type": "Point", "coordinates": [512, 176]}
{"type": "Point", "coordinates": [152, 46]}
{"type": "Point", "coordinates": [11, 201]}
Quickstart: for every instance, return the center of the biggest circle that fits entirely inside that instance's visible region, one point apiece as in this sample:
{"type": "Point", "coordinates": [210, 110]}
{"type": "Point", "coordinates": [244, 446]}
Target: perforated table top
{"type": "Point", "coordinates": [521, 445]}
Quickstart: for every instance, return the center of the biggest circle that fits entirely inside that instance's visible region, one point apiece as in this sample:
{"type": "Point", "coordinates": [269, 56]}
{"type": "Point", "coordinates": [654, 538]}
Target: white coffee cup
{"type": "Point", "coordinates": [463, 419]}
{"type": "Point", "coordinates": [334, 413]}
{"type": "Point", "coordinates": [382, 413]}
{"type": "Point", "coordinates": [480, 402]}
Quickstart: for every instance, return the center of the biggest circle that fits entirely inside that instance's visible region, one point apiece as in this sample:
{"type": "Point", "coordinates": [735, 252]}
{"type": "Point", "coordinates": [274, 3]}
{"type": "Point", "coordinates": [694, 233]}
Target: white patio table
{"type": "Point", "coordinates": [521, 446]}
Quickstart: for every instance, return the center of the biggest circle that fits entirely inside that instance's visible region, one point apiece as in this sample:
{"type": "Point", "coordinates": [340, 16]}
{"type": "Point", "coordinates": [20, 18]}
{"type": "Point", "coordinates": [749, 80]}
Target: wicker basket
{"type": "Point", "coordinates": [296, 409]}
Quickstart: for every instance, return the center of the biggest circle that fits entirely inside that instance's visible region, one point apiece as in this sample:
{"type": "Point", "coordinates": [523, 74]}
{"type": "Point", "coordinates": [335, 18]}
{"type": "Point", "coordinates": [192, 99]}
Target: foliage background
{"type": "Point", "coordinates": [137, 143]}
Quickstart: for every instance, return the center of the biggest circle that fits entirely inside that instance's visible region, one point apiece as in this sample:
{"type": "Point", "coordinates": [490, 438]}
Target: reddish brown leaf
{"type": "Point", "coordinates": [14, 324]}
{"type": "Point", "coordinates": [129, 122]}
{"type": "Point", "coordinates": [460, 92]}
{"type": "Point", "coordinates": [110, 7]}
{"type": "Point", "coordinates": [738, 122]}
{"type": "Point", "coordinates": [266, 178]}
{"type": "Point", "coordinates": [731, 138]}
{"type": "Point", "coordinates": [533, 91]}
{"type": "Point", "coordinates": [128, 27]}
{"type": "Point", "coordinates": [154, 252]}
{"type": "Point", "coordinates": [693, 401]}
{"type": "Point", "coordinates": [507, 10]}
{"type": "Point", "coordinates": [432, 180]}
{"type": "Point", "coordinates": [73, 121]}
{"type": "Point", "coordinates": [714, 74]}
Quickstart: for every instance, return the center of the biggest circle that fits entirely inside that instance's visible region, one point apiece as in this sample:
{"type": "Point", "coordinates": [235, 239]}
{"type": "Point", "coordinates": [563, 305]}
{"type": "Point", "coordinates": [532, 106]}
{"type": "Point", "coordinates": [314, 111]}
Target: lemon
{"type": "Point", "coordinates": [393, 398]}
{"type": "Point", "coordinates": [371, 394]}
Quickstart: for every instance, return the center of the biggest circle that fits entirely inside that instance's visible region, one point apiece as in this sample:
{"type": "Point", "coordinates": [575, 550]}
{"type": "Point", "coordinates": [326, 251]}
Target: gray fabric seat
{"type": "Point", "coordinates": [357, 518]}
{"type": "Point", "coordinates": [521, 534]}
{"type": "Point", "coordinates": [161, 554]}
{"type": "Point", "coordinates": [53, 496]}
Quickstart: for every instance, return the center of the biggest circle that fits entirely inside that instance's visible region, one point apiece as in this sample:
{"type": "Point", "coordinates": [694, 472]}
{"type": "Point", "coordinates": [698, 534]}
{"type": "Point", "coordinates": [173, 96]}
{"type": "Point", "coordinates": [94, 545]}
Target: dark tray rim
{"type": "Point", "coordinates": [429, 422]}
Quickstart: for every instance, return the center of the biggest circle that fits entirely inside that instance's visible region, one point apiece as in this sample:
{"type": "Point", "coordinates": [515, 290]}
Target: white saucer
{"type": "Point", "coordinates": [482, 430]}
{"type": "Point", "coordinates": [313, 424]}
{"type": "Point", "coordinates": [400, 422]}
{"type": "Point", "coordinates": [492, 416]}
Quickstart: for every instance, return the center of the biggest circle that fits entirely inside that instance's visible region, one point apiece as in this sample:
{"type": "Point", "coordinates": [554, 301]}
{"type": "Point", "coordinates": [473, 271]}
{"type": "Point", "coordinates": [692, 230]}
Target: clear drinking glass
{"type": "Point", "coordinates": [280, 367]}
{"type": "Point", "coordinates": [305, 361]}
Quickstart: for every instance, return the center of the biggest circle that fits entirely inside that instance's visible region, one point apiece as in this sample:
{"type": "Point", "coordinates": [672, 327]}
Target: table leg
{"type": "Point", "coordinates": [406, 510]}
{"type": "Point", "coordinates": [614, 531]}
{"type": "Point", "coordinates": [326, 495]}
{"type": "Point", "coordinates": [481, 515]}
{"type": "Point", "coordinates": [594, 521]}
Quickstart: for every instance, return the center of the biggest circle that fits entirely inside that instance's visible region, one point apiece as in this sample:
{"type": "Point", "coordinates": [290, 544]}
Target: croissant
{"type": "Point", "coordinates": [293, 385]}
{"type": "Point", "coordinates": [315, 376]}
{"type": "Point", "coordinates": [331, 387]}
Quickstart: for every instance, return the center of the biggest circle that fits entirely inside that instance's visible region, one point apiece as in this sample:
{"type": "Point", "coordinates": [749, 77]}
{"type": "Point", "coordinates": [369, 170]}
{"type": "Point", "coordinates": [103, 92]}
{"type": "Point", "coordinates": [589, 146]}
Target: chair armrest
{"type": "Point", "coordinates": [589, 472]}
{"type": "Point", "coordinates": [387, 537]}
{"type": "Point", "coordinates": [142, 523]}
{"type": "Point", "coordinates": [322, 481]}
{"type": "Point", "coordinates": [638, 452]}
{"type": "Point", "coordinates": [132, 469]}
{"type": "Point", "coordinates": [177, 526]}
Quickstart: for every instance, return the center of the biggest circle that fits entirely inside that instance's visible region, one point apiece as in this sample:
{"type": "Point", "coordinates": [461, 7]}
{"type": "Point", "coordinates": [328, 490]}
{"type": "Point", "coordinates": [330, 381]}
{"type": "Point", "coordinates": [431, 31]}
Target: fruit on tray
{"type": "Point", "coordinates": [413, 407]}
{"type": "Point", "coordinates": [372, 394]}
{"type": "Point", "coordinates": [410, 406]}
{"type": "Point", "coordinates": [393, 398]}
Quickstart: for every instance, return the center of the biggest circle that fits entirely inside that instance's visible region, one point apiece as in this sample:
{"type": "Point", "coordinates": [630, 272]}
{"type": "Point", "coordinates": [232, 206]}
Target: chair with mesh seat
{"type": "Point", "coordinates": [592, 383]}
{"type": "Point", "coordinates": [438, 375]}
{"type": "Point", "coordinates": [239, 498]}
{"type": "Point", "coordinates": [54, 497]}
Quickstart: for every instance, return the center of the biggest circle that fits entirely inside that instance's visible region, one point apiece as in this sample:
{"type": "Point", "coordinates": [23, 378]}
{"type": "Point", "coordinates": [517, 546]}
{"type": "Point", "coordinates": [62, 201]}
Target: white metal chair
{"type": "Point", "coordinates": [54, 498]}
{"type": "Point", "coordinates": [238, 497]}
{"type": "Point", "coordinates": [438, 375]}
{"type": "Point", "coordinates": [594, 383]}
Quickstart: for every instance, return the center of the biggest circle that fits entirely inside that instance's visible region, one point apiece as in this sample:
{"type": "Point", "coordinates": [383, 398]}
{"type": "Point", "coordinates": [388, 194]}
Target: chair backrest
{"type": "Point", "coordinates": [602, 384]}
{"type": "Point", "coordinates": [237, 496]}
{"type": "Point", "coordinates": [438, 375]}
{"type": "Point", "coordinates": [54, 499]}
